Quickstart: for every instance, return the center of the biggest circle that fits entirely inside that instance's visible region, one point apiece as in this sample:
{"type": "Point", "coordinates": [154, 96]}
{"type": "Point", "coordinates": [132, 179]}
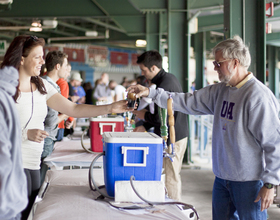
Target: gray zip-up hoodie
{"type": "Point", "coordinates": [246, 128]}
{"type": "Point", "coordinates": [13, 185]}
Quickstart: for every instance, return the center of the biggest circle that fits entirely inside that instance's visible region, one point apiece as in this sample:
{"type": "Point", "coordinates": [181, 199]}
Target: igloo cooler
{"type": "Point", "coordinates": [100, 125]}
{"type": "Point", "coordinates": [131, 153]}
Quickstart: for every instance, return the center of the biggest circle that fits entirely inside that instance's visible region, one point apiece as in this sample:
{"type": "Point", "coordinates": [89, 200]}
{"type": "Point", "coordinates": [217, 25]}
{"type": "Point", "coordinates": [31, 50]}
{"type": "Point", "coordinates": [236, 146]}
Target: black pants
{"type": "Point", "coordinates": [33, 186]}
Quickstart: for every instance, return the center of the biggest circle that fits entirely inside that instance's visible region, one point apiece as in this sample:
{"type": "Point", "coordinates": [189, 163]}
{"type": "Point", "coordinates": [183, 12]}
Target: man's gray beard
{"type": "Point", "coordinates": [226, 79]}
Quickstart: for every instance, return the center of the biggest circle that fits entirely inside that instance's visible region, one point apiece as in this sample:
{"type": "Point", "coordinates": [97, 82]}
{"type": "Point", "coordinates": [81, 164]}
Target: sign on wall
{"type": "Point", "coordinates": [75, 55]}
{"type": "Point", "coordinates": [3, 44]}
{"type": "Point", "coordinates": [97, 56]}
{"type": "Point", "coordinates": [134, 57]}
{"type": "Point", "coordinates": [119, 58]}
{"type": "Point", "coordinates": [48, 49]}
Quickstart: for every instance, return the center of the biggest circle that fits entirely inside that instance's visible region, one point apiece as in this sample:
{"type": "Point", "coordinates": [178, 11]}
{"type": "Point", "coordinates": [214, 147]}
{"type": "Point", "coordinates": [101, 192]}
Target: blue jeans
{"type": "Point", "coordinates": [48, 147]}
{"type": "Point", "coordinates": [60, 134]}
{"type": "Point", "coordinates": [232, 200]}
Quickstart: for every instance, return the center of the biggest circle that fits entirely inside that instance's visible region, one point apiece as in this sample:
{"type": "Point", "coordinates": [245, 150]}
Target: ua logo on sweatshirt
{"type": "Point", "coordinates": [227, 110]}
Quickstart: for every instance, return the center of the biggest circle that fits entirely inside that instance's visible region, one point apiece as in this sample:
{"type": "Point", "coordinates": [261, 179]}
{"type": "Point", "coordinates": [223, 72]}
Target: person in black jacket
{"type": "Point", "coordinates": [150, 63]}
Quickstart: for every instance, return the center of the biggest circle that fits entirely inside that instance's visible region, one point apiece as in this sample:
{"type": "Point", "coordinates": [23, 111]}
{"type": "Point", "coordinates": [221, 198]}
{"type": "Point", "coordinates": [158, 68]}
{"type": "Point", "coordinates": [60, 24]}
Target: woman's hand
{"type": "Point", "coordinates": [36, 135]}
{"type": "Point", "coordinates": [119, 107]}
{"type": "Point", "coordinates": [140, 91]}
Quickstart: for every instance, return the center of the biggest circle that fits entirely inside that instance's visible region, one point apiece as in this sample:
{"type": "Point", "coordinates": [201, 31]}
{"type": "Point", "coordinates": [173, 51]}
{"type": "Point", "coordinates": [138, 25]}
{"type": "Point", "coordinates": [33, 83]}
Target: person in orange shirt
{"type": "Point", "coordinates": [64, 89]}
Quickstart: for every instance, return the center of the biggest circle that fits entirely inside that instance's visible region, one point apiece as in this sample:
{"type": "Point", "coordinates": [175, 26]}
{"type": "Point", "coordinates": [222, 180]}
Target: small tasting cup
{"type": "Point", "coordinates": [131, 99]}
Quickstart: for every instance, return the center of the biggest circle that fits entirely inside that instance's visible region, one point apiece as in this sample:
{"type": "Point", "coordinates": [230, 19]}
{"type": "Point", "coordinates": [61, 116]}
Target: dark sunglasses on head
{"type": "Point", "coordinates": [33, 37]}
{"type": "Point", "coordinates": [29, 39]}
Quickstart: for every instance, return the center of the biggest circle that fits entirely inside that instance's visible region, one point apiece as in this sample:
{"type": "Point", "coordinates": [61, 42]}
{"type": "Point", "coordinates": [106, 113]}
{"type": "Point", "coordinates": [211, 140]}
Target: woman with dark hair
{"type": "Point", "coordinates": [32, 97]}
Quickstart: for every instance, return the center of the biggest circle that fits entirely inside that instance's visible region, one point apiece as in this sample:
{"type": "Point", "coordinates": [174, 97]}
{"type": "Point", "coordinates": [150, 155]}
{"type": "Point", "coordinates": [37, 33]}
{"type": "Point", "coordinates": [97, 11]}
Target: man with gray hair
{"type": "Point", "coordinates": [246, 132]}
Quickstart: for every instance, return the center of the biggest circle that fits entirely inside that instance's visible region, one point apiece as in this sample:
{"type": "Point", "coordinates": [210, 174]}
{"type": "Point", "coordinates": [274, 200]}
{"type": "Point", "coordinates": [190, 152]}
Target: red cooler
{"type": "Point", "coordinates": [100, 125]}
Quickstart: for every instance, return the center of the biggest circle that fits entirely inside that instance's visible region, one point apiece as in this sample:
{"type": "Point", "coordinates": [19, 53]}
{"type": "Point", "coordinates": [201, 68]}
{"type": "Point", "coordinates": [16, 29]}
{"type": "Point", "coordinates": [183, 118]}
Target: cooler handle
{"type": "Point", "coordinates": [102, 124]}
{"type": "Point", "coordinates": [145, 152]}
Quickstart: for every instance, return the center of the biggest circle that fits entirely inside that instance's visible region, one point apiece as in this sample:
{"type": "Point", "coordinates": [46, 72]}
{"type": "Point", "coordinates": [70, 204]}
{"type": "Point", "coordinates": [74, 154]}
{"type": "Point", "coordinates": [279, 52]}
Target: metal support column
{"type": "Point", "coordinates": [273, 71]}
{"type": "Point", "coordinates": [199, 48]}
{"type": "Point", "coordinates": [152, 30]}
{"type": "Point", "coordinates": [162, 27]}
{"type": "Point", "coordinates": [247, 19]}
{"type": "Point", "coordinates": [177, 39]}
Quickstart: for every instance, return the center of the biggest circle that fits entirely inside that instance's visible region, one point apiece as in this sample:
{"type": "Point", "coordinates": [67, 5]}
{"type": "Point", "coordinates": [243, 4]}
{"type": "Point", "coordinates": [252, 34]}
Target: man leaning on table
{"type": "Point", "coordinates": [246, 133]}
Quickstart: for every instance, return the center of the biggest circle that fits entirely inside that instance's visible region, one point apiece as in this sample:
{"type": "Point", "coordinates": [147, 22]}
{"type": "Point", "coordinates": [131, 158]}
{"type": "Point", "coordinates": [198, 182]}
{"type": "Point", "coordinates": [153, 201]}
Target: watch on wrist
{"type": "Point", "coordinates": [268, 185]}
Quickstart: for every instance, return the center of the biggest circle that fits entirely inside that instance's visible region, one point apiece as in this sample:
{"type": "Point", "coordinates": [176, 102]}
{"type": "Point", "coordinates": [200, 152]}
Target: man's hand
{"type": "Point", "coordinates": [266, 196]}
{"type": "Point", "coordinates": [140, 91]}
{"type": "Point", "coordinates": [140, 128]}
{"type": "Point", "coordinates": [69, 124]}
{"type": "Point", "coordinates": [140, 114]}
{"type": "Point", "coordinates": [36, 135]}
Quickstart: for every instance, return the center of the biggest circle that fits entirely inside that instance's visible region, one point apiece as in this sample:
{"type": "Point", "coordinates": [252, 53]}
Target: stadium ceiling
{"type": "Point", "coordinates": [107, 22]}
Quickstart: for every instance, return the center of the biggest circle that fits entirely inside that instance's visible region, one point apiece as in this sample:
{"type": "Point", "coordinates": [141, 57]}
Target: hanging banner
{"type": "Point", "coordinates": [97, 56]}
{"type": "Point", "coordinates": [119, 58]}
{"type": "Point", "coordinates": [269, 9]}
{"type": "Point", "coordinates": [75, 55]}
{"type": "Point", "coordinates": [50, 48]}
{"type": "Point", "coordinates": [134, 57]}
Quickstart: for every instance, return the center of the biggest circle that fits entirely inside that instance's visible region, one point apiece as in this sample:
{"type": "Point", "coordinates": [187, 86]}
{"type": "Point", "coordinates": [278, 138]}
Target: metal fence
{"type": "Point", "coordinates": [201, 135]}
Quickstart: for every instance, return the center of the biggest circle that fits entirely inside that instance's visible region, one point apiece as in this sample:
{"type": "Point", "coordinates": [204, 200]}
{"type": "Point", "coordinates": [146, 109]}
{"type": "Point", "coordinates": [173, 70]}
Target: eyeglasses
{"type": "Point", "coordinates": [218, 64]}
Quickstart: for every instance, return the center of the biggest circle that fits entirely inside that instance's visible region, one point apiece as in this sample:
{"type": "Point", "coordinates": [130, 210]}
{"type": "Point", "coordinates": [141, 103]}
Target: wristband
{"type": "Point", "coordinates": [24, 134]}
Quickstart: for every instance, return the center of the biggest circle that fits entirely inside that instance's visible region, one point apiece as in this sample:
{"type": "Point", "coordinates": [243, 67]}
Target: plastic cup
{"type": "Point", "coordinates": [131, 99]}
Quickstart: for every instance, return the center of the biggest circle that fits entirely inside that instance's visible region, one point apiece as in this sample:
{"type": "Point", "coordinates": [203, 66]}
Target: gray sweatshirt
{"type": "Point", "coordinates": [13, 185]}
{"type": "Point", "coordinates": [246, 128]}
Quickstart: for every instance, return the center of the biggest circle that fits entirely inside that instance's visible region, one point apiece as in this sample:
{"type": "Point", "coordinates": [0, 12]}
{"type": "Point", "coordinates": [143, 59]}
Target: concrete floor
{"type": "Point", "coordinates": [197, 182]}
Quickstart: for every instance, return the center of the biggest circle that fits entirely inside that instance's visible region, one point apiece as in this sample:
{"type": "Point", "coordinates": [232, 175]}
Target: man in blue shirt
{"type": "Point", "coordinates": [75, 82]}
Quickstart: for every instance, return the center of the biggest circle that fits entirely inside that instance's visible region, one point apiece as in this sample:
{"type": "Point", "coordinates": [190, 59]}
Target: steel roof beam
{"type": "Point", "coordinates": [73, 26]}
{"type": "Point", "coordinates": [107, 14]}
{"type": "Point", "coordinates": [95, 21]}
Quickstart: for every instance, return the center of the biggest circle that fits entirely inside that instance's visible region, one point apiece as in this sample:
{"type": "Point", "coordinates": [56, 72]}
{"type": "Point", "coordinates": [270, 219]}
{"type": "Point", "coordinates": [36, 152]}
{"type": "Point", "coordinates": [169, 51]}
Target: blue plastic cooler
{"type": "Point", "coordinates": [131, 153]}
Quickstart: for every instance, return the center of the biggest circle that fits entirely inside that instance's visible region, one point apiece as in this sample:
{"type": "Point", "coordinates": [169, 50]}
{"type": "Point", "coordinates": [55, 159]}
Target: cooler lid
{"type": "Point", "coordinates": [110, 118]}
{"type": "Point", "coordinates": [131, 137]}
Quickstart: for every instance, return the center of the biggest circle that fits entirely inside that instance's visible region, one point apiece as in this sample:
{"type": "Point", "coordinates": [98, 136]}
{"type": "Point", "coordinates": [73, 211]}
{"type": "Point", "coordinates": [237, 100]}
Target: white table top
{"type": "Point", "coordinates": [70, 153]}
{"type": "Point", "coordinates": [68, 197]}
